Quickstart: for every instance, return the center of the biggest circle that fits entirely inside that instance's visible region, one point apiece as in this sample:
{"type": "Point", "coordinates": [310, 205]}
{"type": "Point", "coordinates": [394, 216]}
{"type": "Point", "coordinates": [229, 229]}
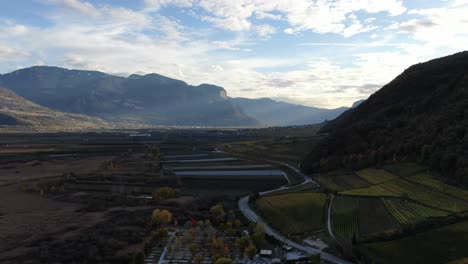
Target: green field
{"type": "Point", "coordinates": [438, 185]}
{"type": "Point", "coordinates": [415, 191]}
{"type": "Point", "coordinates": [345, 217]}
{"type": "Point", "coordinates": [408, 213]}
{"type": "Point", "coordinates": [361, 218]}
{"type": "Point", "coordinates": [376, 176]}
{"type": "Point", "coordinates": [404, 169]}
{"type": "Point", "coordinates": [340, 181]}
{"type": "Point", "coordinates": [288, 150]}
{"type": "Point", "coordinates": [374, 190]}
{"type": "Point", "coordinates": [441, 245]}
{"type": "Point", "coordinates": [293, 213]}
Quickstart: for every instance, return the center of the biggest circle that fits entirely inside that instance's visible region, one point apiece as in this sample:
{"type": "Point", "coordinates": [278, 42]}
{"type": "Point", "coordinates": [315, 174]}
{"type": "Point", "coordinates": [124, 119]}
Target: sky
{"type": "Point", "coordinates": [323, 53]}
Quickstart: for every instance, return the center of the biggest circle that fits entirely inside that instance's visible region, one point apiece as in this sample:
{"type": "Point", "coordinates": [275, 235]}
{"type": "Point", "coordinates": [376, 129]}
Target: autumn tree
{"type": "Point", "coordinates": [161, 217]}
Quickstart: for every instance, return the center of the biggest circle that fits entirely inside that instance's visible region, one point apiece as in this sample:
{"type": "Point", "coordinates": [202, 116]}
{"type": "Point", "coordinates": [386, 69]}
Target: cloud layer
{"type": "Point", "coordinates": [314, 52]}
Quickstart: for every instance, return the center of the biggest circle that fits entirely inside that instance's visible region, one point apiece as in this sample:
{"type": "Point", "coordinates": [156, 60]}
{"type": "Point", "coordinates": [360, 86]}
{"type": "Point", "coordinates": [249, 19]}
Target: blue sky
{"type": "Point", "coordinates": [314, 52]}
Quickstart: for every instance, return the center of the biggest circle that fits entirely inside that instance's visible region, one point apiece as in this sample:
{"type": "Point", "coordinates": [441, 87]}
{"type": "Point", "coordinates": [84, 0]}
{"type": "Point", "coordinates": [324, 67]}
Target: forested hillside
{"type": "Point", "coordinates": [421, 116]}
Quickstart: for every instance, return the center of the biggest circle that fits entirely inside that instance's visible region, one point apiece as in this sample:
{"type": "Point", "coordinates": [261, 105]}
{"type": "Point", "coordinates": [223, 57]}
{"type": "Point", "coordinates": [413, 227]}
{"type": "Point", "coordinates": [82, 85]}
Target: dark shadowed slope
{"type": "Point", "coordinates": [150, 99]}
{"type": "Point", "coordinates": [422, 116]}
{"type": "Point", "coordinates": [17, 111]}
{"type": "Point", "coordinates": [273, 113]}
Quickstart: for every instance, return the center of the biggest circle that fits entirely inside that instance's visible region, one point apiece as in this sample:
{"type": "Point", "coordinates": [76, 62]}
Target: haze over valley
{"type": "Point", "coordinates": [233, 132]}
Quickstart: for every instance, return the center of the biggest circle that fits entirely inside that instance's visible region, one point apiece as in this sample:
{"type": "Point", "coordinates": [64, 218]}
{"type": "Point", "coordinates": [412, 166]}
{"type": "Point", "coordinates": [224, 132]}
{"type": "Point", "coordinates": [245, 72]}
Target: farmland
{"type": "Point", "coordinates": [293, 213]}
{"type": "Point", "coordinates": [409, 213]}
{"type": "Point", "coordinates": [404, 169]}
{"type": "Point", "coordinates": [207, 173]}
{"type": "Point", "coordinates": [345, 217]}
{"type": "Point", "coordinates": [414, 191]}
{"type": "Point", "coordinates": [288, 150]}
{"type": "Point", "coordinates": [340, 181]}
{"type": "Point", "coordinates": [376, 176]}
{"type": "Point", "coordinates": [441, 245]}
{"type": "Point", "coordinates": [357, 218]}
{"type": "Point", "coordinates": [438, 185]}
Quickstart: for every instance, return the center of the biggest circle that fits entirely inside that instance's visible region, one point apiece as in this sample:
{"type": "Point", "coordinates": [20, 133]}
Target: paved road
{"type": "Point", "coordinates": [252, 216]}
{"type": "Point", "coordinates": [330, 231]}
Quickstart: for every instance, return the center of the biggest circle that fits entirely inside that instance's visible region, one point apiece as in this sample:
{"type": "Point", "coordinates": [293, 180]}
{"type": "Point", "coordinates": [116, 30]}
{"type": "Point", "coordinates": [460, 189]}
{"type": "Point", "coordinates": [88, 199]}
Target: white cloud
{"type": "Point", "coordinates": [265, 31]}
{"type": "Point", "coordinates": [8, 52]}
{"type": "Point", "coordinates": [301, 15]}
{"type": "Point", "coordinates": [437, 28]}
{"type": "Point", "coordinates": [83, 7]}
{"type": "Point", "coordinates": [153, 5]}
{"type": "Point", "coordinates": [356, 28]}
{"type": "Point", "coordinates": [121, 40]}
{"type": "Point", "coordinates": [265, 15]}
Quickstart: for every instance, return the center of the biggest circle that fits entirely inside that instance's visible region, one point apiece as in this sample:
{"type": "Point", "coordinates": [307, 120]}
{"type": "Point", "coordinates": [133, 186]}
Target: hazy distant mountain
{"type": "Point", "coordinates": [17, 111]}
{"type": "Point", "coordinates": [420, 116]}
{"type": "Point", "coordinates": [149, 99]}
{"type": "Point", "coordinates": [274, 113]}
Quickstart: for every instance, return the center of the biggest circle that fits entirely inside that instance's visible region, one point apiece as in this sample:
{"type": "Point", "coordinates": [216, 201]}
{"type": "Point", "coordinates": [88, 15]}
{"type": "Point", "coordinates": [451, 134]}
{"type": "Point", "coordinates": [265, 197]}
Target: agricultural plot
{"type": "Point", "coordinates": [288, 150]}
{"type": "Point", "coordinates": [199, 160]}
{"type": "Point", "coordinates": [345, 217]}
{"type": "Point", "coordinates": [221, 167]}
{"type": "Point", "coordinates": [213, 175]}
{"type": "Point", "coordinates": [186, 156]}
{"type": "Point", "coordinates": [374, 218]}
{"type": "Point", "coordinates": [203, 244]}
{"type": "Point", "coordinates": [237, 174]}
{"type": "Point", "coordinates": [438, 185]}
{"type": "Point", "coordinates": [376, 176]}
{"type": "Point", "coordinates": [404, 169]}
{"type": "Point", "coordinates": [296, 213]}
{"type": "Point", "coordinates": [422, 194]}
{"type": "Point", "coordinates": [408, 213]}
{"type": "Point", "coordinates": [374, 190]}
{"type": "Point", "coordinates": [340, 181]}
{"type": "Point", "coordinates": [361, 218]}
{"type": "Point", "coordinates": [441, 245]}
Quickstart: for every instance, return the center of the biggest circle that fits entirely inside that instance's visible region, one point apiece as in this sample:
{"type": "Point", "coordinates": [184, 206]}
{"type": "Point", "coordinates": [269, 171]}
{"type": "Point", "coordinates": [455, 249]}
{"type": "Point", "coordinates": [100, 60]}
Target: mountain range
{"type": "Point", "coordinates": [421, 116]}
{"type": "Point", "coordinates": [17, 111]}
{"type": "Point", "coordinates": [274, 113]}
{"type": "Point", "coordinates": [151, 99]}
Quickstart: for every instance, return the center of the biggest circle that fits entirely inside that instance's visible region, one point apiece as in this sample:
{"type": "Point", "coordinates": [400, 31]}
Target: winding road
{"type": "Point", "coordinates": [252, 216]}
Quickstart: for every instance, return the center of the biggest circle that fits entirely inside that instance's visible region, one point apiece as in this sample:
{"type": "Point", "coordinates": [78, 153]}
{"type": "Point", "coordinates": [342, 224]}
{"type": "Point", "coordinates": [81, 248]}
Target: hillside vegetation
{"type": "Point", "coordinates": [19, 112]}
{"type": "Point", "coordinates": [421, 116]}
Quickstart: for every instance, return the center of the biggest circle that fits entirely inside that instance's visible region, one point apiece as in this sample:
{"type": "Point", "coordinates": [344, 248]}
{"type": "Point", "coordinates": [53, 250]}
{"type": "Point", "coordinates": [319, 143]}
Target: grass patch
{"type": "Point", "coordinates": [294, 213]}
{"type": "Point", "coordinates": [376, 176]}
{"type": "Point", "coordinates": [404, 169]}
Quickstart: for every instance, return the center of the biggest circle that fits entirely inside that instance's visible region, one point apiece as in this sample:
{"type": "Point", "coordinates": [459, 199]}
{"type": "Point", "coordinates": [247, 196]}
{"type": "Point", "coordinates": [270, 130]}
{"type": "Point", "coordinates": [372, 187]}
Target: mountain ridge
{"type": "Point", "coordinates": [17, 111]}
{"type": "Point", "coordinates": [277, 113]}
{"type": "Point", "coordinates": [420, 116]}
{"type": "Point", "coordinates": [152, 99]}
